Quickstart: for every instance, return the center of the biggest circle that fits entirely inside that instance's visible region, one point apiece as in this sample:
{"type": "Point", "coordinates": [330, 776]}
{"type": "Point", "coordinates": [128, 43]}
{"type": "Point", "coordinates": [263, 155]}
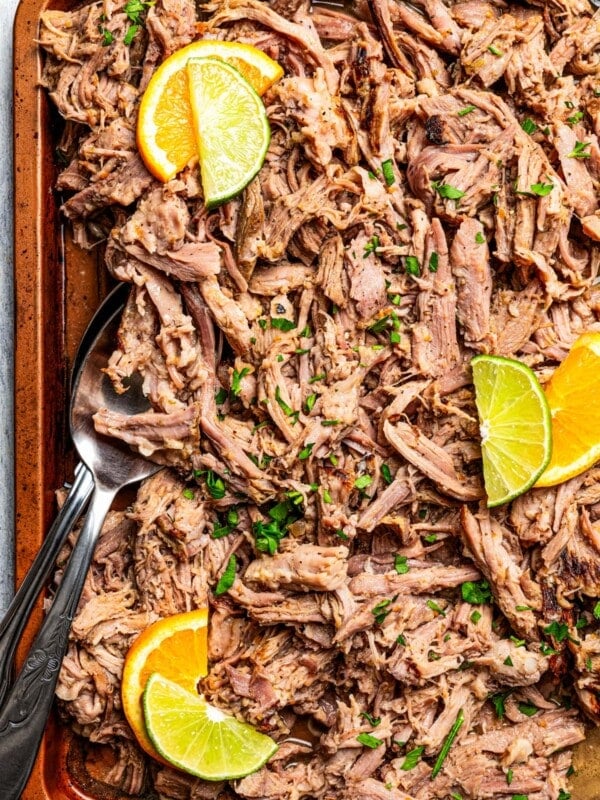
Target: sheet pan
{"type": "Point", "coordinates": [58, 287]}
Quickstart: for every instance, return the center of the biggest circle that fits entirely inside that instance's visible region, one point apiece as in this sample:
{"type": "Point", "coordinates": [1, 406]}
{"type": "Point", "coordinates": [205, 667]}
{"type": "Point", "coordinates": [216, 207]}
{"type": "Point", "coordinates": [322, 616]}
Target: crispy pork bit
{"type": "Point", "coordinates": [430, 193]}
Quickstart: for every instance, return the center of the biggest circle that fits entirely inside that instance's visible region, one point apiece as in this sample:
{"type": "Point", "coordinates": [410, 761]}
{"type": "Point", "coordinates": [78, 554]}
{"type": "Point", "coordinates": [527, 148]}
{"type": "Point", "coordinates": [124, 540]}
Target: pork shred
{"type": "Point", "coordinates": [430, 193]}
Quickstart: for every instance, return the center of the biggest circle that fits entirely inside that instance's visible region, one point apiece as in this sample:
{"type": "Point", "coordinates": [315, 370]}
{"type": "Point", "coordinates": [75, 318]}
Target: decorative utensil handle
{"type": "Point", "coordinates": [24, 715]}
{"type": "Point", "coordinates": [20, 609]}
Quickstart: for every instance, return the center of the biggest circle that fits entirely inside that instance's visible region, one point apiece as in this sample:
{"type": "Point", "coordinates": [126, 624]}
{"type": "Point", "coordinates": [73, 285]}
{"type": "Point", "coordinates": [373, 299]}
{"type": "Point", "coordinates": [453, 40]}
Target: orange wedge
{"type": "Point", "coordinates": [572, 394]}
{"type": "Point", "coordinates": [174, 647]}
{"type": "Point", "coordinates": [165, 128]}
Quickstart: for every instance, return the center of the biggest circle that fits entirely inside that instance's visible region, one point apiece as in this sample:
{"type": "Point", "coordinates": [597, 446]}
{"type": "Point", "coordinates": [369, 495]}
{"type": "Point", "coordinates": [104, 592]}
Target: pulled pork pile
{"type": "Point", "coordinates": [430, 193]}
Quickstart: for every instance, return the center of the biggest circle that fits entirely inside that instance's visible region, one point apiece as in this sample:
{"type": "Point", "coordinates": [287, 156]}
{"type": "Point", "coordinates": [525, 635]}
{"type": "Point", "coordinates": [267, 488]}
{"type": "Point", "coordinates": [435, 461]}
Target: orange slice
{"type": "Point", "coordinates": [165, 127]}
{"type": "Point", "coordinates": [572, 394]}
{"type": "Point", "coordinates": [174, 647]}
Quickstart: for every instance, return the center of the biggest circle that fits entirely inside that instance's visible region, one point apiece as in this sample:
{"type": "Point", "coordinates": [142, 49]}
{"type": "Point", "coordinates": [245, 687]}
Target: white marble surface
{"type": "Point", "coordinates": [7, 12]}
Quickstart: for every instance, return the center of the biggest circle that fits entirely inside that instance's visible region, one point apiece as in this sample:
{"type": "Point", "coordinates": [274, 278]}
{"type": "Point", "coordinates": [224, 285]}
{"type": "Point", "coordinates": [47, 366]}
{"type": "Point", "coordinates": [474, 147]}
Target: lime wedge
{"type": "Point", "coordinates": [231, 127]}
{"type": "Point", "coordinates": [199, 738]}
{"type": "Point", "coordinates": [515, 426]}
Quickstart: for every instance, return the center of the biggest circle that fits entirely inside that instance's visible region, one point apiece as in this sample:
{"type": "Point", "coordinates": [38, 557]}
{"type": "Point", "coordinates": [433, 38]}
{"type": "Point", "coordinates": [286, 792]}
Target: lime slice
{"type": "Point", "coordinates": [231, 127]}
{"type": "Point", "coordinates": [199, 738]}
{"type": "Point", "coordinates": [515, 426]}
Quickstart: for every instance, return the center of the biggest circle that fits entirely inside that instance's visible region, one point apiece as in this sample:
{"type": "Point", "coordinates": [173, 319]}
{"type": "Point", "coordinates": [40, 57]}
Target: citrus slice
{"type": "Point", "coordinates": [199, 738]}
{"type": "Point", "coordinates": [572, 395]}
{"type": "Point", "coordinates": [231, 125]}
{"type": "Point", "coordinates": [176, 647]}
{"type": "Point", "coordinates": [515, 426]}
{"type": "Point", "coordinates": [165, 134]}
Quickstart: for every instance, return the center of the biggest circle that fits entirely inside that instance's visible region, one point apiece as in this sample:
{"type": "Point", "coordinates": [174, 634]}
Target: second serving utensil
{"type": "Point", "coordinates": [113, 466]}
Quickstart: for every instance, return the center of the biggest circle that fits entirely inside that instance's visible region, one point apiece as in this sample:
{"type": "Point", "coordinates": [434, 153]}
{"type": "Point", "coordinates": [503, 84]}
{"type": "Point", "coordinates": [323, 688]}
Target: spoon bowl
{"type": "Point", "coordinates": [112, 463]}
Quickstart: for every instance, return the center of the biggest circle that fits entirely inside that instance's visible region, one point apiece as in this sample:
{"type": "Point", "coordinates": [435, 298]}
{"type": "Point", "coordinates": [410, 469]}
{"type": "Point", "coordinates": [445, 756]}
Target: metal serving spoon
{"type": "Point", "coordinates": [112, 465]}
{"type": "Point", "coordinates": [19, 611]}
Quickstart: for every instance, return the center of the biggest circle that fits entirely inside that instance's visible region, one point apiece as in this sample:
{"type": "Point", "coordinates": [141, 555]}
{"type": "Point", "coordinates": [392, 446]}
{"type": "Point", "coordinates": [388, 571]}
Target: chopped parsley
{"type": "Point", "coordinates": [236, 380]}
{"type": "Point", "coordinates": [529, 126]}
{"type": "Point", "coordinates": [412, 758]}
{"type": "Point", "coordinates": [466, 110]}
{"type": "Point", "coordinates": [289, 412]}
{"type": "Point", "coordinates": [310, 402]}
{"type": "Point", "coordinates": [546, 650]}
{"type": "Point", "coordinates": [479, 238]}
{"type": "Point", "coordinates": [509, 776]}
{"type": "Point", "coordinates": [508, 662]}
{"type": "Point", "coordinates": [231, 521]}
{"type": "Point", "coordinates": [541, 189]}
{"type": "Point", "coordinates": [316, 378]}
{"type": "Point", "coordinates": [523, 608]}
{"type": "Point", "coordinates": [214, 484]}
{"type": "Point", "coordinates": [498, 701]}
{"type": "Point", "coordinates": [132, 32]}
{"type": "Point", "coordinates": [384, 323]}
{"type": "Point", "coordinates": [475, 617]}
{"type": "Point", "coordinates": [575, 118]}
{"type": "Point", "coordinates": [447, 192]}
{"type": "Point", "coordinates": [305, 453]}
{"type": "Point", "coordinates": [188, 494]}
{"type": "Point", "coordinates": [267, 535]}
{"type": "Point", "coordinates": [381, 610]}
{"type": "Point", "coordinates": [227, 578]}
{"type": "Point", "coordinates": [282, 324]}
{"type": "Point", "coordinates": [135, 8]}
{"type": "Point", "coordinates": [528, 709]}
{"type": "Point", "coordinates": [411, 265]}
{"type": "Point", "coordinates": [596, 610]}
{"type": "Point", "coordinates": [401, 639]}
{"type": "Point", "coordinates": [107, 37]}
{"type": "Point", "coordinates": [433, 262]}
{"type": "Point", "coordinates": [494, 50]}
{"type": "Point", "coordinates": [401, 564]}
{"type": "Point", "coordinates": [371, 246]}
{"type": "Point", "coordinates": [368, 740]}
{"type": "Point", "coordinates": [221, 397]}
{"type": "Point", "coordinates": [476, 593]}
{"type": "Point", "coordinates": [563, 795]}
{"type": "Point", "coordinates": [387, 168]}
{"type": "Point", "coordinates": [363, 481]}
{"type": "Point", "coordinates": [580, 150]}
{"type": "Point", "coordinates": [387, 476]}
{"type": "Point", "coordinates": [435, 607]}
{"type": "Point", "coordinates": [558, 630]}
{"type": "Point", "coordinates": [374, 721]}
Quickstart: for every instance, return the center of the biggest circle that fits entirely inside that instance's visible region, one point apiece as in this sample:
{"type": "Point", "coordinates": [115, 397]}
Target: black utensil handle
{"type": "Point", "coordinates": [24, 715]}
{"type": "Point", "coordinates": [20, 609]}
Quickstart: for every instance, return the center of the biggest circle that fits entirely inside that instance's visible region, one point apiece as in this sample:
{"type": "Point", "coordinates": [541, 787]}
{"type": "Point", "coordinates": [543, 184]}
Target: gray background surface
{"type": "Point", "coordinates": [7, 12]}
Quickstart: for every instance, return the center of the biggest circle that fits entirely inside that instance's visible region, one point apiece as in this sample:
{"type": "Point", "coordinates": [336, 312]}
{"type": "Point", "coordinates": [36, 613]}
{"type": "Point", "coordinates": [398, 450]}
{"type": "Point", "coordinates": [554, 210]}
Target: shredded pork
{"type": "Point", "coordinates": [430, 193]}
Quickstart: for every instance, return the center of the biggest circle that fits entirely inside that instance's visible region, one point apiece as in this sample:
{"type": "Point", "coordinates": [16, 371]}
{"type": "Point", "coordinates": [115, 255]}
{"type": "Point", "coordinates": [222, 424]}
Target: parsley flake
{"type": "Point", "coordinates": [227, 579]}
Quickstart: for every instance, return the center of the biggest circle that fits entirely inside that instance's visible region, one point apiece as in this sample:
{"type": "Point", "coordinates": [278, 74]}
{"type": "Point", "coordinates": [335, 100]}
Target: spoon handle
{"type": "Point", "coordinates": [24, 715]}
{"type": "Point", "coordinates": [19, 611]}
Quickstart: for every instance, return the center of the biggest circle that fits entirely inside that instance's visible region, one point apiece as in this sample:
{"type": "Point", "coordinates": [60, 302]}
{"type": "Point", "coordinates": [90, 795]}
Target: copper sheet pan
{"type": "Point", "coordinates": [58, 287]}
